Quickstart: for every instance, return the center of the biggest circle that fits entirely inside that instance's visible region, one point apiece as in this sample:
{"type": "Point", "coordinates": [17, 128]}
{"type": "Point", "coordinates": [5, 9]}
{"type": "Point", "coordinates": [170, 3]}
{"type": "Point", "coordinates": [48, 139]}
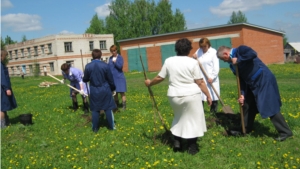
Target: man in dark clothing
{"type": "Point", "coordinates": [102, 85]}
{"type": "Point", "coordinates": [8, 101]}
{"type": "Point", "coordinates": [259, 90]}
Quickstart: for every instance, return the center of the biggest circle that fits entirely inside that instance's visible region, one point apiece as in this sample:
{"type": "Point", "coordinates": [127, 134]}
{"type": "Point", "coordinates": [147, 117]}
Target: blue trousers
{"type": "Point", "coordinates": [109, 117]}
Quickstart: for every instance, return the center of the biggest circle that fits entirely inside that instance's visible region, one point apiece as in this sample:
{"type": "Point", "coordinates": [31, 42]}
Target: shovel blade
{"type": "Point", "coordinates": [227, 110]}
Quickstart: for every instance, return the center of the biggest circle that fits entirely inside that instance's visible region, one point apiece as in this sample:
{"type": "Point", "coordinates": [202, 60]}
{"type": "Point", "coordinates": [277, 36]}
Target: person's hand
{"type": "Point", "coordinates": [209, 80]}
{"type": "Point", "coordinates": [195, 56]}
{"type": "Point", "coordinates": [114, 93]}
{"type": "Point", "coordinates": [234, 61]}
{"type": "Point", "coordinates": [209, 101]}
{"type": "Point", "coordinates": [147, 82]}
{"type": "Point", "coordinates": [8, 92]}
{"type": "Point", "coordinates": [241, 100]}
{"type": "Point", "coordinates": [114, 59]}
{"type": "Point", "coordinates": [81, 92]}
{"type": "Point", "coordinates": [62, 81]}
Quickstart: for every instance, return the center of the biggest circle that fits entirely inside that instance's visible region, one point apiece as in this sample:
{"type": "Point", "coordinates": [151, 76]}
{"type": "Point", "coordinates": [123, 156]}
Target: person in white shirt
{"type": "Point", "coordinates": [207, 56]}
{"type": "Point", "coordinates": [186, 85]}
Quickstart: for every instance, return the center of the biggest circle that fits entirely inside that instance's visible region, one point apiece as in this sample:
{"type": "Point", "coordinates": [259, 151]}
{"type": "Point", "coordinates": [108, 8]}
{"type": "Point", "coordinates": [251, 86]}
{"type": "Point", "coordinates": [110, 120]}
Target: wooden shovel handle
{"type": "Point", "coordinates": [239, 94]}
{"type": "Point", "coordinates": [66, 84]}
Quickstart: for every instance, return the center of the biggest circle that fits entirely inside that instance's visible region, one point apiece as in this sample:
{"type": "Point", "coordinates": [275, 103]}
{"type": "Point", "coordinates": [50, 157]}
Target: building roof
{"type": "Point", "coordinates": [204, 28]}
{"type": "Point", "coordinates": [295, 45]}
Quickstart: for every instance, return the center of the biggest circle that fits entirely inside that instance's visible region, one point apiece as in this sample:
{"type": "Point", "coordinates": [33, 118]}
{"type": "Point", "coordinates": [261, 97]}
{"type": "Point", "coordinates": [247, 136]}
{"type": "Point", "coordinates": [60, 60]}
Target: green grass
{"type": "Point", "coordinates": [61, 138]}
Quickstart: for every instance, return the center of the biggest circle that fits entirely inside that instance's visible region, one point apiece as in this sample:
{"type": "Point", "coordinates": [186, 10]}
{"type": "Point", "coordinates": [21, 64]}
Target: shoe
{"type": "Point", "coordinates": [234, 133]}
{"type": "Point", "coordinates": [176, 145]}
{"type": "Point", "coordinates": [282, 138]}
{"type": "Point", "coordinates": [193, 149]}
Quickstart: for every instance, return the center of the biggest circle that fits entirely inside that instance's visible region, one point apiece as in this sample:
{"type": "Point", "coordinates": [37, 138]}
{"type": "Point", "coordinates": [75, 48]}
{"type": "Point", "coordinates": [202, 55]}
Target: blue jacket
{"type": "Point", "coordinates": [101, 85]}
{"type": "Point", "coordinates": [257, 77]}
{"type": "Point", "coordinates": [117, 72]}
{"type": "Point", "coordinates": [7, 102]}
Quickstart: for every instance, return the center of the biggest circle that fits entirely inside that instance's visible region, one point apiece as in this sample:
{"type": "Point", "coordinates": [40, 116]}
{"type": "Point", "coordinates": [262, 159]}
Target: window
{"type": "Point", "coordinates": [51, 67]}
{"type": "Point", "coordinates": [102, 44]}
{"type": "Point", "coordinates": [22, 53]}
{"type": "Point", "coordinates": [30, 69]}
{"type": "Point", "coordinates": [71, 62]}
{"type": "Point", "coordinates": [68, 47]}
{"type": "Point", "coordinates": [16, 53]}
{"type": "Point", "coordinates": [43, 49]}
{"type": "Point", "coordinates": [12, 70]}
{"type": "Point", "coordinates": [35, 51]}
{"type": "Point", "coordinates": [28, 51]}
{"type": "Point", "coordinates": [49, 48]}
{"type": "Point", "coordinates": [91, 45]}
{"type": "Point", "coordinates": [10, 55]}
{"type": "Point", "coordinates": [18, 70]}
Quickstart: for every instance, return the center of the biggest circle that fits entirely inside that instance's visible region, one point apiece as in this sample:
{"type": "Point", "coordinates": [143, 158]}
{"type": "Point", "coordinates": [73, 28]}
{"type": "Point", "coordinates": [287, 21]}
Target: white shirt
{"type": "Point", "coordinates": [210, 64]}
{"type": "Point", "coordinates": [182, 72]}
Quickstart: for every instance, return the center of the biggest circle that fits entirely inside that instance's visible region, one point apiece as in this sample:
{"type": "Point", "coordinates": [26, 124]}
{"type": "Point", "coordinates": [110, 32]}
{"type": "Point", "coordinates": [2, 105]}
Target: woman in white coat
{"type": "Point", "coordinates": [210, 63]}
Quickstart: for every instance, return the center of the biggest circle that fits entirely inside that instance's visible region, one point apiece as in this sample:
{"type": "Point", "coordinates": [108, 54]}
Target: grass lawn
{"type": "Point", "coordinates": [61, 138]}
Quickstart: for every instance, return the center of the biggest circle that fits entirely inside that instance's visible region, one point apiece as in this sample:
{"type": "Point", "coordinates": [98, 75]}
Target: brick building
{"type": "Point", "coordinates": [48, 53]}
{"type": "Point", "coordinates": [155, 49]}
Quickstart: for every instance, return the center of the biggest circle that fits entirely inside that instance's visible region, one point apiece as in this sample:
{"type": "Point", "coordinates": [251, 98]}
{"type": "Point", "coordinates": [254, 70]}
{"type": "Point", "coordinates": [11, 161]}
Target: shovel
{"type": "Point", "coordinates": [226, 109]}
{"type": "Point", "coordinates": [239, 92]}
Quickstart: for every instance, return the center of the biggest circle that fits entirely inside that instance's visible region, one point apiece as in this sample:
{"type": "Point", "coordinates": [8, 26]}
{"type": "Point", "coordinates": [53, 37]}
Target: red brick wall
{"type": "Point", "coordinates": [268, 45]}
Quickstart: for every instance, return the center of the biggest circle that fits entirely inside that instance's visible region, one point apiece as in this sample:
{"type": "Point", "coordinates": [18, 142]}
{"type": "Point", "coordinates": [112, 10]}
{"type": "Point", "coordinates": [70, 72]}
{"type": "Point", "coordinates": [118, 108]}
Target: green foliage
{"type": "Point", "coordinates": [2, 44]}
{"type": "Point", "coordinates": [8, 40]}
{"type": "Point", "coordinates": [97, 26]}
{"type": "Point", "coordinates": [131, 19]}
{"type": "Point", "coordinates": [24, 38]}
{"type": "Point", "coordinates": [61, 138]}
{"type": "Point", "coordinates": [238, 17]}
{"type": "Point", "coordinates": [36, 69]}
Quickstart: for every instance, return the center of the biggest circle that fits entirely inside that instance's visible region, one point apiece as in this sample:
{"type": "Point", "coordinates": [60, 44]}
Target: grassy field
{"type": "Point", "coordinates": [61, 138]}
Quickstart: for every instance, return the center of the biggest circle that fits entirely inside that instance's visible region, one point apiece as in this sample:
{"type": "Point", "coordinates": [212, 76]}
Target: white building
{"type": "Point", "coordinates": [50, 52]}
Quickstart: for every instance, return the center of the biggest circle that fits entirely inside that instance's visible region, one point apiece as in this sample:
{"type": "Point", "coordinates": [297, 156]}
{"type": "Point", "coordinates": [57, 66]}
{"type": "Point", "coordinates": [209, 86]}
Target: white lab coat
{"type": "Point", "coordinates": [210, 63]}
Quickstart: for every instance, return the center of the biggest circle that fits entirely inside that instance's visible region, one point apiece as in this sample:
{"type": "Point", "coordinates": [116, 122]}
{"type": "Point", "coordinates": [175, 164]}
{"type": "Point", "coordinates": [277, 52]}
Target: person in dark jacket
{"type": "Point", "coordinates": [102, 85]}
{"type": "Point", "coordinates": [116, 66]}
{"type": "Point", "coordinates": [259, 89]}
{"type": "Point", "coordinates": [8, 101]}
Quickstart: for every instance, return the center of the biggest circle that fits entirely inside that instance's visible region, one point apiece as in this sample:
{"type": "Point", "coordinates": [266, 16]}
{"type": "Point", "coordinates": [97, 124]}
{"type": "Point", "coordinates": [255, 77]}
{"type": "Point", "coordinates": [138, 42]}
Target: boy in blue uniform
{"type": "Point", "coordinates": [259, 90]}
{"type": "Point", "coordinates": [101, 88]}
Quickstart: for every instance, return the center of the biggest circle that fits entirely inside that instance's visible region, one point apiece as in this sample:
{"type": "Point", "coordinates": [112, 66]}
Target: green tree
{"type": "Point", "coordinates": [238, 17]}
{"type": "Point", "coordinates": [285, 38]}
{"type": "Point", "coordinates": [24, 38]}
{"type": "Point", "coordinates": [97, 26]}
{"type": "Point", "coordinates": [2, 43]}
{"type": "Point", "coordinates": [8, 40]}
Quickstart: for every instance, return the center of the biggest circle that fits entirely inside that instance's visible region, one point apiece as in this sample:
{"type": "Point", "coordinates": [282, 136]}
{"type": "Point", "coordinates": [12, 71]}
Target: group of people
{"type": "Point", "coordinates": [187, 91]}
{"type": "Point", "coordinates": [188, 87]}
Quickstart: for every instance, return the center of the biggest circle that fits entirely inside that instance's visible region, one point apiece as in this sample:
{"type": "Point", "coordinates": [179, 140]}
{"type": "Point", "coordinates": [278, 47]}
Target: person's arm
{"type": "Point", "coordinates": [203, 87]}
{"type": "Point", "coordinates": [154, 81]}
{"type": "Point", "coordinates": [216, 68]}
{"type": "Point", "coordinates": [119, 62]}
{"type": "Point", "coordinates": [110, 80]}
{"type": "Point", "coordinates": [5, 85]}
{"type": "Point", "coordinates": [245, 53]}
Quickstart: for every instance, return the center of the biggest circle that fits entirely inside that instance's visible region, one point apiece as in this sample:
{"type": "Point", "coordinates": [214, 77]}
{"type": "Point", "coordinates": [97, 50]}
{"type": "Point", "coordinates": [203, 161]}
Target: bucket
{"type": "Point", "coordinates": [26, 119]}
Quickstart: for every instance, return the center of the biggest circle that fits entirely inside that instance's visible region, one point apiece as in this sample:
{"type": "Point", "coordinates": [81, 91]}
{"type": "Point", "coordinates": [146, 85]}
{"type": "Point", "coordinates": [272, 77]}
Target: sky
{"type": "Point", "coordinates": [39, 18]}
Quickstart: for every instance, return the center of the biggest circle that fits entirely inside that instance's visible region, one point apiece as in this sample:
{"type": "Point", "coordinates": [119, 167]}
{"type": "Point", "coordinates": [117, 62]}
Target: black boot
{"type": "Point", "coordinates": [124, 105]}
{"type": "Point", "coordinates": [177, 144]}
{"type": "Point", "coordinates": [281, 126]}
{"type": "Point", "coordinates": [86, 107]}
{"type": "Point", "coordinates": [75, 105]}
{"type": "Point", "coordinates": [214, 107]}
{"type": "Point", "coordinates": [7, 122]}
{"type": "Point", "coordinates": [193, 146]}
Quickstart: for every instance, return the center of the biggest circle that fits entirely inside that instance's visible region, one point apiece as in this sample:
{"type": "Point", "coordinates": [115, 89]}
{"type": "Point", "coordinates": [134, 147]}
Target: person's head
{"type": "Point", "coordinates": [224, 53]}
{"type": "Point", "coordinates": [3, 55]}
{"type": "Point", "coordinates": [204, 44]}
{"type": "Point", "coordinates": [65, 68]}
{"type": "Point", "coordinates": [96, 54]}
{"type": "Point", "coordinates": [113, 50]}
{"type": "Point", "coordinates": [183, 47]}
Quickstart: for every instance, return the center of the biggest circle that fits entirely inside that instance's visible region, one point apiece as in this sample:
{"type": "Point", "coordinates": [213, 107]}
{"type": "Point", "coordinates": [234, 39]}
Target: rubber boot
{"type": "Point", "coordinates": [281, 126]}
{"type": "Point", "coordinates": [214, 107]}
{"type": "Point", "coordinates": [177, 144]}
{"type": "Point", "coordinates": [193, 146]}
{"type": "Point", "coordinates": [75, 105]}
{"type": "Point", "coordinates": [86, 107]}
{"type": "Point", "coordinates": [7, 121]}
{"type": "Point", "coordinates": [124, 105]}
